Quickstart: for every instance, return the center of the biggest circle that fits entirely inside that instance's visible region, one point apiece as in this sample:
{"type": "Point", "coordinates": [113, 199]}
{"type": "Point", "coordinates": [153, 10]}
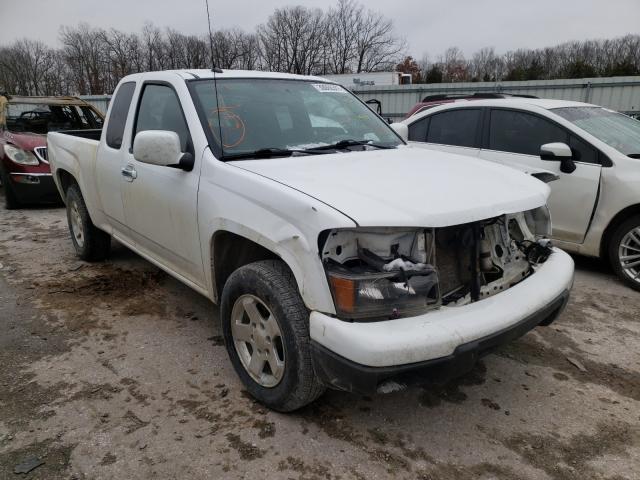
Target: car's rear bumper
{"type": "Point", "coordinates": [34, 187]}
{"type": "Point", "coordinates": [359, 356]}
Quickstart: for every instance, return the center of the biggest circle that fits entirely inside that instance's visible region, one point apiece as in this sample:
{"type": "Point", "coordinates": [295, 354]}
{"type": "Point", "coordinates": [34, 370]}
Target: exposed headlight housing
{"type": "Point", "coordinates": [368, 282]}
{"type": "Point", "coordinates": [20, 156]}
{"type": "Point", "coordinates": [383, 295]}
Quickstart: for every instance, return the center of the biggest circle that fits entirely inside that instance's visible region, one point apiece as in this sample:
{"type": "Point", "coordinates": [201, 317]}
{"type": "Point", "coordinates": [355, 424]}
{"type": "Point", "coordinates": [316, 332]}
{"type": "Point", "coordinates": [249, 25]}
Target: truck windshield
{"type": "Point", "coordinates": [44, 117]}
{"type": "Point", "coordinates": [267, 115]}
{"type": "Point", "coordinates": [615, 129]}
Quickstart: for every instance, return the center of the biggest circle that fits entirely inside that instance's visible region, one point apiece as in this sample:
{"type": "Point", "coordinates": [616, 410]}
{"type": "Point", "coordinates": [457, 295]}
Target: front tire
{"type": "Point", "coordinates": [266, 330]}
{"type": "Point", "coordinates": [624, 251]}
{"type": "Point", "coordinates": [91, 244]}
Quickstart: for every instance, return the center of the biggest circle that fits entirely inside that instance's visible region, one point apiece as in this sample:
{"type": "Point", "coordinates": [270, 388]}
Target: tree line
{"type": "Point", "coordinates": [344, 38]}
{"type": "Point", "coordinates": [578, 59]}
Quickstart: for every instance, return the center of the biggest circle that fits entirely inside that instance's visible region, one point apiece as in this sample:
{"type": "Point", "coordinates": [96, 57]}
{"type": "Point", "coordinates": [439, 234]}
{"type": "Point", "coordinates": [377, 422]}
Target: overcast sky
{"type": "Point", "coordinates": [430, 26]}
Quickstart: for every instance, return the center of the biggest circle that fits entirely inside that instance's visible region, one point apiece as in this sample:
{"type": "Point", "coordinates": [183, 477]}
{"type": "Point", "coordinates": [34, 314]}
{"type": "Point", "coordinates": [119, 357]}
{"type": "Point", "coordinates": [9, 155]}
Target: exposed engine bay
{"type": "Point", "coordinates": [385, 273]}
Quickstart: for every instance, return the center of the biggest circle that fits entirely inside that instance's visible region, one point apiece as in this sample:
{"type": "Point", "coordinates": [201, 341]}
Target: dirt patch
{"type": "Point", "coordinates": [132, 292]}
{"type": "Point", "coordinates": [483, 471]}
{"type": "Point", "coordinates": [393, 461]}
{"type": "Point", "coordinates": [108, 459]}
{"type": "Point", "coordinates": [54, 454]}
{"type": "Point", "coordinates": [246, 450]}
{"type": "Point", "coordinates": [265, 429]}
{"type": "Point", "coordinates": [133, 422]}
{"type": "Point", "coordinates": [569, 459]}
{"type": "Point", "coordinates": [306, 471]}
{"type": "Point", "coordinates": [435, 394]}
{"type": "Point", "coordinates": [528, 351]}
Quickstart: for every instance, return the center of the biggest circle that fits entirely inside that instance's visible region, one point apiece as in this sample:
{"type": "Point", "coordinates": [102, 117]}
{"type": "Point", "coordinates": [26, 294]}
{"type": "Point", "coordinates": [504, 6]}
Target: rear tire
{"type": "Point", "coordinates": [91, 244]}
{"type": "Point", "coordinates": [269, 285]}
{"type": "Point", "coordinates": [10, 200]}
{"type": "Point", "coordinates": [622, 250]}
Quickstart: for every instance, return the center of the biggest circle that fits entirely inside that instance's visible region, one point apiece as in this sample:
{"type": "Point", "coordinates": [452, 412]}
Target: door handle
{"type": "Point", "coordinates": [129, 173]}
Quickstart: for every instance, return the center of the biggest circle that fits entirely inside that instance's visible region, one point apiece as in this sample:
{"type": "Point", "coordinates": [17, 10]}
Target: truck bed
{"type": "Point", "coordinates": [74, 151]}
{"type": "Point", "coordinates": [92, 134]}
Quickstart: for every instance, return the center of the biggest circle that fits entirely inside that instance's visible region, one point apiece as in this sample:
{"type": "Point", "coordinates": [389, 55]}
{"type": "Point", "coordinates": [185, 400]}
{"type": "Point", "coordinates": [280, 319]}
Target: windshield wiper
{"type": "Point", "coordinates": [348, 143]}
{"type": "Point", "coordinates": [265, 153]}
{"type": "Point", "coordinates": [633, 155]}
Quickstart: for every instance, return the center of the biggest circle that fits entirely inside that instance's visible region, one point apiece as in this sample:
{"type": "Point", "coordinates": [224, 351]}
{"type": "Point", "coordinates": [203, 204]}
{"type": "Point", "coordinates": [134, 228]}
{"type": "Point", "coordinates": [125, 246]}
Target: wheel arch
{"type": "Point", "coordinates": [65, 180]}
{"type": "Point", "coordinates": [617, 220]}
{"type": "Point", "coordinates": [231, 250]}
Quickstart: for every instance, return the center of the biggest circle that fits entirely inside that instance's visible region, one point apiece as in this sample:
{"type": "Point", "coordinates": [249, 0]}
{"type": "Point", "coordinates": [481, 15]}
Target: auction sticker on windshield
{"type": "Point", "coordinates": [329, 87]}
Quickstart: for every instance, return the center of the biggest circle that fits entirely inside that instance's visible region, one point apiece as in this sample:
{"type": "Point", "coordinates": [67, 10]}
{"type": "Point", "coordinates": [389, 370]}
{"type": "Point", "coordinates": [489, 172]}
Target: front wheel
{"type": "Point", "coordinates": [624, 252]}
{"type": "Point", "coordinates": [266, 331]}
{"type": "Point", "coordinates": [91, 244]}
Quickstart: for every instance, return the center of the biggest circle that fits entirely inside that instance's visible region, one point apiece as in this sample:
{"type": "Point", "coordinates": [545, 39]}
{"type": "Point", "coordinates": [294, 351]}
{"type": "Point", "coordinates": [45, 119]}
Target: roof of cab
{"type": "Point", "coordinates": [191, 74]}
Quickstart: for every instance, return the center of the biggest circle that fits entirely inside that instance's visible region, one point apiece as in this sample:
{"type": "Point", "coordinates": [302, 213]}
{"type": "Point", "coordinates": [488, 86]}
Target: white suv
{"type": "Point", "coordinates": [595, 203]}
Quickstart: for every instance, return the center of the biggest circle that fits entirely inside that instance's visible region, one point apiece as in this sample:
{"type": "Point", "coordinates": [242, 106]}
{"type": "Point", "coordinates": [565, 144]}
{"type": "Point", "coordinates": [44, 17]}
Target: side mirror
{"type": "Point", "coordinates": [401, 129]}
{"type": "Point", "coordinates": [162, 148]}
{"type": "Point", "coordinates": [559, 152]}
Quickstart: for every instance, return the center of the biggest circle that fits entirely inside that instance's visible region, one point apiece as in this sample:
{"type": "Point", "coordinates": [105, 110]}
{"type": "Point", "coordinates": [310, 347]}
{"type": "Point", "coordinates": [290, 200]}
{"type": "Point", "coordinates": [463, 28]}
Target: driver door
{"type": "Point", "coordinates": [160, 202]}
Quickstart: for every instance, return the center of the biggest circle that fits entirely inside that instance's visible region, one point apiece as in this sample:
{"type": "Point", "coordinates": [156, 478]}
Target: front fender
{"type": "Point", "coordinates": [281, 219]}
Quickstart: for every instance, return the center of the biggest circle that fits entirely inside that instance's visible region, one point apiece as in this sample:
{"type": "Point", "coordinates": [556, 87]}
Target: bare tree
{"type": "Point", "coordinates": [377, 46]}
{"type": "Point", "coordinates": [343, 24]}
{"type": "Point", "coordinates": [454, 65]}
{"type": "Point", "coordinates": [85, 51]}
{"type": "Point", "coordinates": [293, 39]}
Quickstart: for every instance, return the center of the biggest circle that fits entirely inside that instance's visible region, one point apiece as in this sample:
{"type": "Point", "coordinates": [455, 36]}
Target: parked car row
{"type": "Point", "coordinates": [24, 124]}
{"type": "Point", "coordinates": [342, 256]}
{"type": "Point", "coordinates": [595, 152]}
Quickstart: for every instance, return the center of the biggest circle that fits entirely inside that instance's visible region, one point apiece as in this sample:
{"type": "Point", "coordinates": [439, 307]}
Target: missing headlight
{"type": "Point", "coordinates": [384, 273]}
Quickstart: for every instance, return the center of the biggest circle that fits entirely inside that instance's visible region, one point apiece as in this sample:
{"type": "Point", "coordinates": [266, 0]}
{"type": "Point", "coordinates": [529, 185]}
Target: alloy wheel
{"type": "Point", "coordinates": [629, 254]}
{"type": "Point", "coordinates": [77, 228]}
{"type": "Point", "coordinates": [258, 340]}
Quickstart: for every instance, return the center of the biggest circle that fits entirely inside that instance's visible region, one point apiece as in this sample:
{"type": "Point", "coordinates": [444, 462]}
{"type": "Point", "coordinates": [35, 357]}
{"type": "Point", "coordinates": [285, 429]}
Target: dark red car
{"type": "Point", "coordinates": [431, 101]}
{"type": "Point", "coordinates": [24, 123]}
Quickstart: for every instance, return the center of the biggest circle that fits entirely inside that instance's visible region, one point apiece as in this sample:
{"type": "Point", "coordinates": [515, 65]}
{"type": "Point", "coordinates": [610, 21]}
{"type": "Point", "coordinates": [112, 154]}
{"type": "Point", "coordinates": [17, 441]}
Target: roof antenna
{"type": "Point", "coordinates": [213, 62]}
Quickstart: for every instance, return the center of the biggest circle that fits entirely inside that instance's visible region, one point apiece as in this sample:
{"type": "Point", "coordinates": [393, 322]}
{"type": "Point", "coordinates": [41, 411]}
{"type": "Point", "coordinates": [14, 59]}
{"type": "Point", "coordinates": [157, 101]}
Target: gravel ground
{"type": "Point", "coordinates": [115, 370]}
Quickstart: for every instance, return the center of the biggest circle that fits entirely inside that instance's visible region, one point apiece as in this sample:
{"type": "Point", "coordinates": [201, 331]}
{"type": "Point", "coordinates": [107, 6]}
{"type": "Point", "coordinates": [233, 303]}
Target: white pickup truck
{"type": "Point", "coordinates": [340, 256]}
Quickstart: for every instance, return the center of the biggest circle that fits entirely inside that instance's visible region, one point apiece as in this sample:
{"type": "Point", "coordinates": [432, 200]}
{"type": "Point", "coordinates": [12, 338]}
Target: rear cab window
{"type": "Point", "coordinates": [118, 115]}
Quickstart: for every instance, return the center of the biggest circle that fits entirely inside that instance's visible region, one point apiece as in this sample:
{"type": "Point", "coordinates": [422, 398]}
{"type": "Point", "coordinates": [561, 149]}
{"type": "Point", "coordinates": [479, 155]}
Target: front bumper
{"type": "Point", "coordinates": [446, 342]}
{"type": "Point", "coordinates": [34, 187]}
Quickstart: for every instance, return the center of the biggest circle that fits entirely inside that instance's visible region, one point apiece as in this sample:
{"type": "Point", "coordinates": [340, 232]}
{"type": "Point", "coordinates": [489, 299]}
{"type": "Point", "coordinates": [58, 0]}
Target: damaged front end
{"type": "Point", "coordinates": [386, 273]}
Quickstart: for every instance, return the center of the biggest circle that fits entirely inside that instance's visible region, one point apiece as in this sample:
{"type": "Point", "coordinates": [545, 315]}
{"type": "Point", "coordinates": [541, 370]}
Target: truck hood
{"type": "Point", "coordinates": [406, 186]}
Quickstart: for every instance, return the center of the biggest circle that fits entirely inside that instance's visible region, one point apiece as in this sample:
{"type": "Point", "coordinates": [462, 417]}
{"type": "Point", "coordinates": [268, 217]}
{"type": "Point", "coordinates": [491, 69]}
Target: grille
{"type": "Point", "coordinates": [41, 153]}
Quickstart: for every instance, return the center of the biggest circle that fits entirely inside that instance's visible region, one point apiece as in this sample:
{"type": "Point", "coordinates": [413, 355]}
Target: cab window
{"type": "Point", "coordinates": [160, 109]}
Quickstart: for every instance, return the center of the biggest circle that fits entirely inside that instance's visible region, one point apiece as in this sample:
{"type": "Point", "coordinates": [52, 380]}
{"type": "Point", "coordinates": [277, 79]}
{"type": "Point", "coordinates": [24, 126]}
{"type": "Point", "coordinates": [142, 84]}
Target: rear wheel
{"type": "Point", "coordinates": [91, 244]}
{"type": "Point", "coordinates": [10, 199]}
{"type": "Point", "coordinates": [624, 251]}
{"type": "Point", "coordinates": [266, 331]}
